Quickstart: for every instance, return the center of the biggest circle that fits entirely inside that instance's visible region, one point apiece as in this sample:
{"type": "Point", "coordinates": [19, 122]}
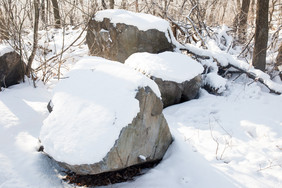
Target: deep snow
{"type": "Point", "coordinates": [233, 140]}
{"type": "Point", "coordinates": [246, 121]}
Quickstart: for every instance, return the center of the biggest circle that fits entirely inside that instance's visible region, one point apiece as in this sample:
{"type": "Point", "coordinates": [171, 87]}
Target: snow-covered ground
{"type": "Point", "coordinates": [246, 124]}
{"type": "Point", "coordinates": [233, 140]}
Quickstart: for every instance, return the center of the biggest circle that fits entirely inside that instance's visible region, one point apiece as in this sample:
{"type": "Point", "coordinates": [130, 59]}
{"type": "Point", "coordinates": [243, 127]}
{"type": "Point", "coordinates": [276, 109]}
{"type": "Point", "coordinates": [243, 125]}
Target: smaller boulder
{"type": "Point", "coordinates": [177, 75]}
{"type": "Point", "coordinates": [12, 68]}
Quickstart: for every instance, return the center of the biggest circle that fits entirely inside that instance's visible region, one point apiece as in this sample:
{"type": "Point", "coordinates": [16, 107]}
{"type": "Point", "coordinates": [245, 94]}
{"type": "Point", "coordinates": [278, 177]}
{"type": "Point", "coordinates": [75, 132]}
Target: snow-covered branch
{"type": "Point", "coordinates": [225, 60]}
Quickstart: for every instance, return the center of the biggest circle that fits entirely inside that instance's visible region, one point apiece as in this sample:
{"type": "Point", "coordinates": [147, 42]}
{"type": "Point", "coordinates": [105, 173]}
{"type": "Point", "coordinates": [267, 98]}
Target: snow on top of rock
{"type": "Point", "coordinates": [140, 20]}
{"type": "Point", "coordinates": [170, 66]}
{"type": "Point", "coordinates": [5, 49]}
{"type": "Point", "coordinates": [91, 107]}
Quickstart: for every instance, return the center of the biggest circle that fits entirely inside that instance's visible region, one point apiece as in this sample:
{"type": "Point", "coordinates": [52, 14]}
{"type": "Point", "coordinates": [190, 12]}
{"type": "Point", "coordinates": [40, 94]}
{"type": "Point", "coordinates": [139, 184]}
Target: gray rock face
{"type": "Point", "coordinates": [146, 139]}
{"type": "Point", "coordinates": [174, 93]}
{"type": "Point", "coordinates": [11, 69]}
{"type": "Point", "coordinates": [120, 41]}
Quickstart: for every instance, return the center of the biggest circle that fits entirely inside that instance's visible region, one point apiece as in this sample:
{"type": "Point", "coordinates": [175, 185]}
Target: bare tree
{"type": "Point", "coordinates": [238, 3]}
{"type": "Point", "coordinates": [136, 6]}
{"type": "Point", "coordinates": [279, 61]}
{"type": "Point", "coordinates": [104, 4]}
{"type": "Point", "coordinates": [261, 35]}
{"type": "Point", "coordinates": [4, 33]}
{"type": "Point", "coordinates": [35, 36]}
{"type": "Point", "coordinates": [224, 6]}
{"type": "Point", "coordinates": [271, 11]}
{"type": "Point", "coordinates": [252, 13]}
{"type": "Point", "coordinates": [112, 4]}
{"type": "Point", "coordinates": [43, 11]}
{"type": "Point", "coordinates": [57, 16]}
{"type": "Point", "coordinates": [123, 4]}
{"type": "Point", "coordinates": [243, 17]}
{"type": "Point", "coordinates": [211, 15]}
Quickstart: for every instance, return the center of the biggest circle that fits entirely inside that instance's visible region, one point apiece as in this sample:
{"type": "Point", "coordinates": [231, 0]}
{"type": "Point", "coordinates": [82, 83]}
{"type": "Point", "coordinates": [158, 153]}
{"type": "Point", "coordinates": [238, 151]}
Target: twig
{"type": "Point", "coordinates": [247, 45]}
{"type": "Point", "coordinates": [271, 165]}
{"type": "Point", "coordinates": [63, 51]}
{"type": "Point", "coordinates": [196, 31]}
{"type": "Point", "coordinates": [255, 78]}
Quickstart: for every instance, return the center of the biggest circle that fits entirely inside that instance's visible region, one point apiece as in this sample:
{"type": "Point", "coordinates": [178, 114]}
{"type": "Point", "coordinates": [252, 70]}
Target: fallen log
{"type": "Point", "coordinates": [225, 60]}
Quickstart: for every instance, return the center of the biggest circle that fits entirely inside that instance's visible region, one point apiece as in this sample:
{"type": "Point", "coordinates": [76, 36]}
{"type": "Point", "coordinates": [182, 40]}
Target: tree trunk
{"type": "Point", "coordinates": [112, 4]}
{"type": "Point", "coordinates": [212, 13]}
{"type": "Point", "coordinates": [123, 4]}
{"type": "Point", "coordinates": [278, 63]}
{"type": "Point", "coordinates": [236, 18]}
{"type": "Point", "coordinates": [261, 35]}
{"type": "Point", "coordinates": [43, 12]}
{"type": "Point", "coordinates": [238, 3]}
{"type": "Point", "coordinates": [252, 10]}
{"type": "Point", "coordinates": [271, 12]}
{"type": "Point", "coordinates": [57, 16]}
{"type": "Point", "coordinates": [35, 37]}
{"type": "Point", "coordinates": [136, 6]}
{"type": "Point", "coordinates": [104, 5]}
{"type": "Point", "coordinates": [243, 18]}
{"type": "Point", "coordinates": [4, 33]}
{"type": "Point", "coordinates": [279, 57]}
{"type": "Point", "coordinates": [224, 11]}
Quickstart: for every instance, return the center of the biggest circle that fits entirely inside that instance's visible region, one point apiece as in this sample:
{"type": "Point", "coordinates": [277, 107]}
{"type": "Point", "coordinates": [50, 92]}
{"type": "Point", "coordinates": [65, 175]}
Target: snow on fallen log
{"type": "Point", "coordinates": [226, 60]}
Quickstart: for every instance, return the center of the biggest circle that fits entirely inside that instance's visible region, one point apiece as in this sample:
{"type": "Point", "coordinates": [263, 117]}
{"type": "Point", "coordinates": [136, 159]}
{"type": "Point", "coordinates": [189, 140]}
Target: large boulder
{"type": "Point", "coordinates": [177, 75]}
{"type": "Point", "coordinates": [12, 68]}
{"type": "Point", "coordinates": [105, 116]}
{"type": "Point", "coordinates": [116, 34]}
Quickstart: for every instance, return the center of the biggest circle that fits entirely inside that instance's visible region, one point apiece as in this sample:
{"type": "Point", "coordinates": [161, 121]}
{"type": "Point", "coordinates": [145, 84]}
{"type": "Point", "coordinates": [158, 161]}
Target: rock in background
{"type": "Point", "coordinates": [116, 34]}
{"type": "Point", "coordinates": [12, 68]}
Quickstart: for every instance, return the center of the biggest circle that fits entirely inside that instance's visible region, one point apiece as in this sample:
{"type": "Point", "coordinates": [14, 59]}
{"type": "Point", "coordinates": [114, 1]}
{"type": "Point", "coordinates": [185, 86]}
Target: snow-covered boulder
{"type": "Point", "coordinates": [177, 75]}
{"type": "Point", "coordinates": [12, 68]}
{"type": "Point", "coordinates": [116, 34]}
{"type": "Point", "coordinates": [106, 116]}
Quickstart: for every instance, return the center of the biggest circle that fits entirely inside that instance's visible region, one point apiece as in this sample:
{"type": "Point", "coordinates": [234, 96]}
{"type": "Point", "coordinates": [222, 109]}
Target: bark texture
{"type": "Point", "coordinates": [243, 18]}
{"type": "Point", "coordinates": [35, 37]}
{"type": "Point", "coordinates": [57, 16]}
{"type": "Point", "coordinates": [261, 35]}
